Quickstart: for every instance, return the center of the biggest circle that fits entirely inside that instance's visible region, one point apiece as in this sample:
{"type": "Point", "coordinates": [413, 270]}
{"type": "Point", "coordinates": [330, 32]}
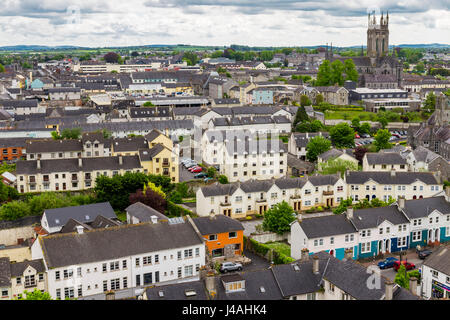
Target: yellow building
{"type": "Point", "coordinates": [157, 137]}
{"type": "Point", "coordinates": [16, 253]}
{"type": "Point", "coordinates": [160, 160]}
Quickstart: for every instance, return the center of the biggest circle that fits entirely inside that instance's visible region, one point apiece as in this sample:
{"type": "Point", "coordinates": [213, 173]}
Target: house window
{"type": "Point", "coordinates": [69, 292]}
{"type": "Point", "coordinates": [417, 236]}
{"type": "Point", "coordinates": [79, 271]}
{"type": "Point", "coordinates": [41, 277]}
{"type": "Point", "coordinates": [58, 293]}
{"type": "Point", "coordinates": [115, 284]}
{"type": "Point", "coordinates": [188, 271]}
{"type": "Point", "coordinates": [68, 273]}
{"type": "Point", "coordinates": [124, 264]}
{"type": "Point", "coordinates": [105, 285]}
{"type": "Point", "coordinates": [147, 260]}
{"type": "Point", "coordinates": [179, 255]}
{"type": "Point", "coordinates": [188, 253]}
{"type": "Point", "coordinates": [179, 272]}
{"type": "Point", "coordinates": [365, 247]}
{"type": "Point", "coordinates": [401, 242]}
{"type": "Point", "coordinates": [232, 235]}
{"type": "Point", "coordinates": [332, 240]}
{"type": "Point", "coordinates": [212, 237]}
{"type": "Point", "coordinates": [104, 266]}
{"type": "Point", "coordinates": [57, 275]}
{"type": "Point", "coordinates": [197, 252]}
{"type": "Point", "coordinates": [30, 281]}
{"type": "Point", "coordinates": [125, 282]}
{"type": "Point", "coordinates": [137, 262]}
{"type": "Point", "coordinates": [19, 280]}
{"type": "Point", "coordinates": [434, 273]}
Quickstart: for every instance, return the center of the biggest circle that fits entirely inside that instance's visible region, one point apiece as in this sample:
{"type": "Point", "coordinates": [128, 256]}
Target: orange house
{"type": "Point", "coordinates": [11, 148]}
{"type": "Point", "coordinates": [224, 236]}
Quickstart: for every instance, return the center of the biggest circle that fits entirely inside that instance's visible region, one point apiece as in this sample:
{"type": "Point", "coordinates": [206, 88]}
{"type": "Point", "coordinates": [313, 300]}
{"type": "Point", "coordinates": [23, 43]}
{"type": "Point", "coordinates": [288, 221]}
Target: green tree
{"type": "Point", "coordinates": [337, 68]}
{"type": "Point", "coordinates": [2, 68]}
{"type": "Point", "coordinates": [342, 136]}
{"type": "Point", "coordinates": [319, 99]}
{"type": "Point", "coordinates": [211, 172]}
{"type": "Point", "coordinates": [350, 70]}
{"type": "Point", "coordinates": [14, 210]}
{"type": "Point", "coordinates": [55, 135]}
{"type": "Point", "coordinates": [74, 133]}
{"type": "Point", "coordinates": [316, 146]}
{"type": "Point", "coordinates": [430, 101]}
{"type": "Point", "coordinates": [35, 295]}
{"type": "Point", "coordinates": [300, 116]}
{"type": "Point", "coordinates": [420, 67]}
{"type": "Point", "coordinates": [148, 104]}
{"type": "Point", "coordinates": [191, 58]}
{"type": "Point", "coordinates": [324, 77]}
{"type": "Point", "coordinates": [401, 278]}
{"type": "Point", "coordinates": [304, 100]}
{"type": "Point", "coordinates": [279, 218]}
{"type": "Point", "coordinates": [364, 128]}
{"type": "Point", "coordinates": [382, 120]}
{"type": "Point", "coordinates": [382, 139]}
{"type": "Point", "coordinates": [356, 123]}
{"type": "Point", "coordinates": [223, 179]}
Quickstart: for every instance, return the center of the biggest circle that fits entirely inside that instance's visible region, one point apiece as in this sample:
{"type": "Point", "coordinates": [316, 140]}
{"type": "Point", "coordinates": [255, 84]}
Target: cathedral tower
{"type": "Point", "coordinates": [377, 36]}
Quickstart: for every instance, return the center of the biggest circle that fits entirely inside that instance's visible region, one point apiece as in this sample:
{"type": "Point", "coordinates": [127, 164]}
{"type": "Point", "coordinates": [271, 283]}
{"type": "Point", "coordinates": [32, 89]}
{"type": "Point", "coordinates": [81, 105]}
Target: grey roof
{"type": "Point", "coordinates": [178, 291]}
{"type": "Point", "coordinates": [384, 158]}
{"type": "Point", "coordinates": [331, 154]}
{"type": "Point", "coordinates": [420, 208]}
{"type": "Point", "coordinates": [386, 177]}
{"type": "Point", "coordinates": [116, 242]}
{"type": "Point", "coordinates": [219, 190]}
{"type": "Point", "coordinates": [153, 135]}
{"type": "Point", "coordinates": [302, 139]}
{"type": "Point", "coordinates": [148, 154]}
{"type": "Point", "coordinates": [144, 212]}
{"type": "Point", "coordinates": [327, 226]}
{"type": "Point", "coordinates": [94, 136]}
{"type": "Point", "coordinates": [150, 112]}
{"type": "Point", "coordinates": [129, 144]}
{"type": "Point", "coordinates": [373, 217]}
{"type": "Point", "coordinates": [217, 224]}
{"type": "Point", "coordinates": [439, 260]}
{"type": "Point", "coordinates": [290, 183]}
{"type": "Point", "coordinates": [5, 272]}
{"type": "Point", "coordinates": [85, 214]}
{"type": "Point", "coordinates": [71, 226]}
{"type": "Point", "coordinates": [18, 268]}
{"type": "Point", "coordinates": [71, 165]}
{"type": "Point", "coordinates": [324, 180]}
{"type": "Point", "coordinates": [256, 185]}
{"type": "Point", "coordinates": [19, 103]}
{"type": "Point", "coordinates": [103, 222]}
{"type": "Point", "coordinates": [50, 145]}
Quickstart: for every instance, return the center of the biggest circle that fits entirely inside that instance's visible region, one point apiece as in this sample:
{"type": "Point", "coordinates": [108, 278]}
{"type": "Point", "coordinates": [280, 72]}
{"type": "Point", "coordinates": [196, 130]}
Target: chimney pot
{"type": "Point", "coordinates": [80, 162]}
{"type": "Point", "coordinates": [315, 265]}
{"type": "Point", "coordinates": [80, 229]}
{"type": "Point", "coordinates": [401, 202]}
{"type": "Point", "coordinates": [389, 287]}
{"type": "Point", "coordinates": [305, 255]}
{"type": "Point", "coordinates": [349, 213]}
{"type": "Point", "coordinates": [38, 163]}
{"type": "Point", "coordinates": [154, 219]}
{"type": "Point", "coordinates": [120, 160]}
{"type": "Point", "coordinates": [413, 285]}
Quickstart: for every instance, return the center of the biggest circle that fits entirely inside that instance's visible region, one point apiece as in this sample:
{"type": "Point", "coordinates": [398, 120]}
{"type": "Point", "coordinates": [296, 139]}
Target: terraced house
{"type": "Point", "coordinates": [239, 200]}
{"type": "Point", "coordinates": [370, 232]}
{"type": "Point", "coordinates": [384, 185]}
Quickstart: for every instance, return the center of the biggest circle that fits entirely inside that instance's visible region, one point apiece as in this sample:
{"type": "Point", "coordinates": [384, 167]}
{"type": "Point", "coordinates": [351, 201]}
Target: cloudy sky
{"type": "Point", "coordinates": [217, 22]}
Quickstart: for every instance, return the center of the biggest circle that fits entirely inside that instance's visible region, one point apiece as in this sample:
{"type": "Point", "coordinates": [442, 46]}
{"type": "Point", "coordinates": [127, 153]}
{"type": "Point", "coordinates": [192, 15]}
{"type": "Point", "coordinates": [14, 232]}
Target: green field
{"type": "Point", "coordinates": [282, 247]}
{"type": "Point", "coordinates": [349, 115]}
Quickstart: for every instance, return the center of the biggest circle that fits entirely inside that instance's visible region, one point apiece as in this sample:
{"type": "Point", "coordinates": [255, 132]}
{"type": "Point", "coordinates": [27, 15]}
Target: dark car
{"type": "Point", "coordinates": [424, 253]}
{"type": "Point", "coordinates": [408, 265]}
{"type": "Point", "coordinates": [387, 263]}
{"type": "Point", "coordinates": [201, 175]}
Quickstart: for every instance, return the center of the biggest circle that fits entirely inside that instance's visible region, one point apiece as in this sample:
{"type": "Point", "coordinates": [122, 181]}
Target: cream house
{"type": "Point", "coordinates": [384, 161]}
{"type": "Point", "coordinates": [28, 276]}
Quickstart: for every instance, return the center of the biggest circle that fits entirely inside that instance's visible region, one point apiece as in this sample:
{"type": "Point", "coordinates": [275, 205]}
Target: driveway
{"type": "Point", "coordinates": [249, 226]}
{"type": "Point", "coordinates": [257, 263]}
{"type": "Point", "coordinates": [185, 175]}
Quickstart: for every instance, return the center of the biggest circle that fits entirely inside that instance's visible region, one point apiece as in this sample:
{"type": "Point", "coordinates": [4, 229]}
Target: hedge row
{"type": "Point", "coordinates": [262, 249]}
{"type": "Point", "coordinates": [174, 210]}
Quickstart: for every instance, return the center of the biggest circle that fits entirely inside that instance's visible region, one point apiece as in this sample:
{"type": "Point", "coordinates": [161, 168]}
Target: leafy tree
{"type": "Point", "coordinates": [337, 68]}
{"type": "Point", "coordinates": [216, 54]}
{"type": "Point", "coordinates": [359, 153]}
{"type": "Point", "coordinates": [2, 68]}
{"type": "Point", "coordinates": [334, 166]}
{"type": "Point", "coordinates": [420, 67]}
{"type": "Point", "coordinates": [191, 58]}
{"type": "Point", "coordinates": [35, 295]}
{"type": "Point", "coordinates": [211, 172]}
{"type": "Point", "coordinates": [430, 101]}
{"type": "Point", "coordinates": [350, 70]}
{"type": "Point", "coordinates": [300, 116]}
{"type": "Point", "coordinates": [364, 128]}
{"type": "Point", "coordinates": [183, 189]}
{"type": "Point", "coordinates": [176, 197]}
{"type": "Point", "coordinates": [223, 179]}
{"type": "Point", "coordinates": [14, 210]}
{"type": "Point", "coordinates": [324, 77]}
{"type": "Point", "coordinates": [382, 139]}
{"type": "Point", "coordinates": [401, 278]}
{"type": "Point", "coordinates": [149, 198]}
{"type": "Point", "coordinates": [382, 120]}
{"type": "Point", "coordinates": [111, 57]}
{"type": "Point", "coordinates": [356, 123]}
{"type": "Point", "coordinates": [304, 100]}
{"type": "Point", "coordinates": [74, 133]}
{"type": "Point", "coordinates": [148, 104]}
{"type": "Point", "coordinates": [313, 126]}
{"type": "Point", "coordinates": [7, 192]}
{"type": "Point", "coordinates": [316, 146]}
{"type": "Point", "coordinates": [150, 185]}
{"type": "Point", "coordinates": [342, 135]}
{"type": "Point", "coordinates": [55, 135]}
{"type": "Point", "coordinates": [319, 99]}
{"type": "Point", "coordinates": [279, 218]}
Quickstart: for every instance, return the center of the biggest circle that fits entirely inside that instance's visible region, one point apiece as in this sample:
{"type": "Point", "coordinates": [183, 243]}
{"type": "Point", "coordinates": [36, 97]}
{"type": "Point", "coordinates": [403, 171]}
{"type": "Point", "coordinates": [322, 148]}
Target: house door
{"type": "Point", "coordinates": [436, 234]}
{"type": "Point", "coordinates": [332, 252]}
{"type": "Point", "coordinates": [387, 245]}
{"type": "Point", "coordinates": [64, 186]}
{"type": "Point", "coordinates": [380, 246]}
{"type": "Point", "coordinates": [430, 235]}
{"type": "Point", "coordinates": [227, 212]}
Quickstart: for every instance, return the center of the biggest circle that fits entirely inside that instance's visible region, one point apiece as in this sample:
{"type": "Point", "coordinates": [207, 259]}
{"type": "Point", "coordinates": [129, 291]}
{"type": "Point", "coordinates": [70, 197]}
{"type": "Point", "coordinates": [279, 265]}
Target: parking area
{"type": "Point", "coordinates": [185, 175]}
{"type": "Point", "coordinates": [396, 136]}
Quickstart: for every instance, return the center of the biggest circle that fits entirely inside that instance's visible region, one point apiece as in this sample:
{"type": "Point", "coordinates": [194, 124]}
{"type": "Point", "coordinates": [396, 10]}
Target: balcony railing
{"type": "Point", "coordinates": [261, 200]}
{"type": "Point", "coordinates": [296, 196]}
{"type": "Point", "coordinates": [328, 193]}
{"type": "Point", "coordinates": [225, 204]}
{"type": "Point", "coordinates": [30, 285]}
{"type": "Point", "coordinates": [166, 164]}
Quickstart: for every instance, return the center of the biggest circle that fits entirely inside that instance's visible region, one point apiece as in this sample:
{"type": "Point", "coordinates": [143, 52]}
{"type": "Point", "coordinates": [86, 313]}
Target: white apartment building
{"type": "Point", "coordinates": [120, 260]}
{"type": "Point", "coordinates": [436, 274]}
{"type": "Point", "coordinates": [384, 161]}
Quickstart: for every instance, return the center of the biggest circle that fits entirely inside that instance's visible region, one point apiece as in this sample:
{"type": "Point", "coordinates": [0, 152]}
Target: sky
{"type": "Point", "coordinates": [106, 23]}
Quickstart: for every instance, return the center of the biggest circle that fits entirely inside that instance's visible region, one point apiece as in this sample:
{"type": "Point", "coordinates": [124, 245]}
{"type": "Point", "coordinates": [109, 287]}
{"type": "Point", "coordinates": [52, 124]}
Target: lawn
{"type": "Point", "coordinates": [282, 247]}
{"type": "Point", "coordinates": [349, 115]}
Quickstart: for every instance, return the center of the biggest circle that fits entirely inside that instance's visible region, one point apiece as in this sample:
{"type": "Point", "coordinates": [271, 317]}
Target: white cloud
{"type": "Point", "coordinates": [217, 22]}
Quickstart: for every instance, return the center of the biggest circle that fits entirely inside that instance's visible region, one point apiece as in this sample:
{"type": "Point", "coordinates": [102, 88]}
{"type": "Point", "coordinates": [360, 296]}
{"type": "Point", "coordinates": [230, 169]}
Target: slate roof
{"type": "Point", "coordinates": [303, 281]}
{"type": "Point", "coordinates": [177, 291]}
{"type": "Point", "coordinates": [250, 186]}
{"type": "Point", "coordinates": [19, 103]}
{"type": "Point", "coordinates": [144, 212]}
{"type": "Point", "coordinates": [95, 136]}
{"type": "Point", "coordinates": [152, 135]}
{"type": "Point", "coordinates": [129, 144]}
{"type": "Point", "coordinates": [373, 217]}
{"type": "Point", "coordinates": [420, 208]}
{"type": "Point", "coordinates": [50, 145]}
{"type": "Point", "coordinates": [327, 226]}
{"type": "Point", "coordinates": [150, 112]}
{"type": "Point", "coordinates": [103, 222]}
{"type": "Point", "coordinates": [385, 177]}
{"type": "Point", "coordinates": [149, 154]}
{"type": "Point", "coordinates": [5, 272]}
{"type": "Point", "coordinates": [218, 224]}
{"type": "Point", "coordinates": [84, 214]}
{"type": "Point", "coordinates": [219, 190]}
{"type": "Point", "coordinates": [71, 165]}
{"type": "Point", "coordinates": [334, 153]}
{"type": "Point", "coordinates": [384, 158]}
{"type": "Point", "coordinates": [302, 139]}
{"type": "Point", "coordinates": [324, 180]}
{"type": "Point", "coordinates": [116, 242]}
{"type": "Point", "coordinates": [71, 226]}
{"type": "Point", "coordinates": [439, 260]}
{"type": "Point", "coordinates": [18, 268]}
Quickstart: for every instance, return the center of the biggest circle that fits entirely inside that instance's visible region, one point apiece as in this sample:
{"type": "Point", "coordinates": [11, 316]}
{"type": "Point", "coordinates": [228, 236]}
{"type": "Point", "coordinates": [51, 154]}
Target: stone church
{"type": "Point", "coordinates": [378, 69]}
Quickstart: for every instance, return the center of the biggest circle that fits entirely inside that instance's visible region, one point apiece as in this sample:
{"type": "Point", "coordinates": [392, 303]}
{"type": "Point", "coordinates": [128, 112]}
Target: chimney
{"type": "Point", "coordinates": [305, 255]}
{"type": "Point", "coordinates": [210, 283]}
{"type": "Point", "coordinates": [120, 160]}
{"type": "Point", "coordinates": [80, 162]}
{"type": "Point", "coordinates": [80, 229]}
{"type": "Point", "coordinates": [413, 285]}
{"type": "Point", "coordinates": [154, 219]}
{"type": "Point", "coordinates": [447, 193]}
{"type": "Point", "coordinates": [38, 163]}
{"type": "Point", "coordinates": [315, 265]}
{"type": "Point", "coordinates": [349, 213]}
{"type": "Point", "coordinates": [401, 202]}
{"type": "Point", "coordinates": [392, 173]}
{"type": "Point", "coordinates": [299, 218]}
{"type": "Point", "coordinates": [389, 287]}
{"type": "Point", "coordinates": [212, 215]}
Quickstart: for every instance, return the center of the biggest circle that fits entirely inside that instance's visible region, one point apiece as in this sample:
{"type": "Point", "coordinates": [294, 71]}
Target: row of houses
{"type": "Point", "coordinates": [241, 199]}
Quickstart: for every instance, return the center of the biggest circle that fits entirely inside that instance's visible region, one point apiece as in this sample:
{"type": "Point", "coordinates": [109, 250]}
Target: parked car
{"type": "Point", "coordinates": [387, 263]}
{"type": "Point", "coordinates": [191, 166]}
{"type": "Point", "coordinates": [424, 253]}
{"type": "Point", "coordinates": [230, 266]}
{"type": "Point", "coordinates": [357, 136]}
{"type": "Point", "coordinates": [366, 135]}
{"type": "Point", "coordinates": [197, 170]}
{"type": "Point", "coordinates": [408, 265]}
{"type": "Point", "coordinates": [200, 175]}
{"type": "Point", "coordinates": [207, 179]}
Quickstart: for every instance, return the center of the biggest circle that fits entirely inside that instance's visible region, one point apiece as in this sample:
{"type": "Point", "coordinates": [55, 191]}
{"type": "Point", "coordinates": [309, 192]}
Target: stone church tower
{"type": "Point", "coordinates": [377, 38]}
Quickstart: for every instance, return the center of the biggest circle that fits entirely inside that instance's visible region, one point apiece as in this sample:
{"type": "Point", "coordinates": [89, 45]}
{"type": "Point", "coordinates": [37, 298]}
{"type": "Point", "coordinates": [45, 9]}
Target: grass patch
{"type": "Point", "coordinates": [349, 115]}
{"type": "Point", "coordinates": [122, 216]}
{"type": "Point", "coordinates": [281, 247]}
